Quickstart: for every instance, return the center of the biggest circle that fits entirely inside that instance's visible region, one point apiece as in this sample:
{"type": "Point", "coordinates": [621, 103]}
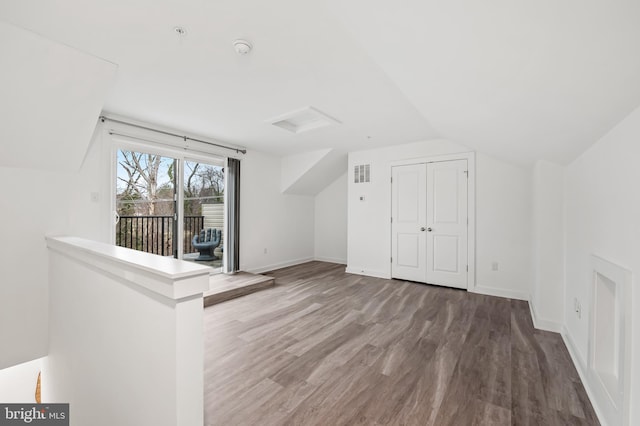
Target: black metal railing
{"type": "Point", "coordinates": [155, 234]}
{"type": "Point", "coordinates": [192, 226]}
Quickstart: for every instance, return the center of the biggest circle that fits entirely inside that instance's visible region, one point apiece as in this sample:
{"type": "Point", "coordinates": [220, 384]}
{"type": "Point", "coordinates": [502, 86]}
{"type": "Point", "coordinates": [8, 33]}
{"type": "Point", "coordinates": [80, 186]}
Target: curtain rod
{"type": "Point", "coordinates": [104, 118]}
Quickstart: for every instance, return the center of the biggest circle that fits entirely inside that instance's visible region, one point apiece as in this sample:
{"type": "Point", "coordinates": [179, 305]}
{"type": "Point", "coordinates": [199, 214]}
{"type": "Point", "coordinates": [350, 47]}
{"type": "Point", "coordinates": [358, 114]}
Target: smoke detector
{"type": "Point", "coordinates": [242, 47]}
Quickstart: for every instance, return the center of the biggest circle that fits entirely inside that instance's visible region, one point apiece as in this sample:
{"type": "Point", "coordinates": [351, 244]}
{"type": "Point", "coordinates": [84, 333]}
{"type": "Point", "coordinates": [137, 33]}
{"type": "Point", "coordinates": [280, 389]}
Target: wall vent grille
{"type": "Point", "coordinates": [362, 173]}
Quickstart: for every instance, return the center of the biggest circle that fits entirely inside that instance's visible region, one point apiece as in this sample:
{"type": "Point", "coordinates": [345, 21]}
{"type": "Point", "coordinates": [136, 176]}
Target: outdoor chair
{"type": "Point", "coordinates": [206, 242]}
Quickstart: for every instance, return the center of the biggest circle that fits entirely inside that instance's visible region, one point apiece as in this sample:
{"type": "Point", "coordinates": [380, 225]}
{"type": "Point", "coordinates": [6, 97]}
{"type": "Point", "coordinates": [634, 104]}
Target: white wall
{"type": "Point", "coordinates": [34, 203]}
{"type": "Point", "coordinates": [18, 383]}
{"type": "Point", "coordinates": [547, 298]}
{"type": "Point", "coordinates": [51, 96]}
{"type": "Point", "coordinates": [282, 224]}
{"type": "Point", "coordinates": [331, 222]}
{"type": "Point", "coordinates": [369, 228]}
{"type": "Point", "coordinates": [503, 228]}
{"type": "Point", "coordinates": [503, 218]}
{"type": "Point", "coordinates": [603, 218]}
{"type": "Point", "coordinates": [91, 218]}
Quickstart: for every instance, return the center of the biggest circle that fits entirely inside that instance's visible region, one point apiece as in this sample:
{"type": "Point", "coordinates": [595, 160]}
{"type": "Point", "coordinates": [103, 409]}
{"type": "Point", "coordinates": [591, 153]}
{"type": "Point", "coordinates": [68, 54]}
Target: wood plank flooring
{"type": "Point", "coordinates": [324, 347]}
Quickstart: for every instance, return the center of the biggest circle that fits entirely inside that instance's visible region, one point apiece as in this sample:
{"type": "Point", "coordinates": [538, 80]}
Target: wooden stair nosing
{"type": "Point", "coordinates": [215, 297]}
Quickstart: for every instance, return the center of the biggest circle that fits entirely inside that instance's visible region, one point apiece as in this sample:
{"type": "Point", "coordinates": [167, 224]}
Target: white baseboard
{"type": "Point", "coordinates": [581, 367]}
{"type": "Point", "coordinates": [499, 292]}
{"type": "Point", "coordinates": [265, 268]}
{"type": "Point", "coordinates": [331, 260]}
{"type": "Point", "coordinates": [544, 324]}
{"type": "Point", "coordinates": [367, 272]}
{"type": "Point", "coordinates": [578, 360]}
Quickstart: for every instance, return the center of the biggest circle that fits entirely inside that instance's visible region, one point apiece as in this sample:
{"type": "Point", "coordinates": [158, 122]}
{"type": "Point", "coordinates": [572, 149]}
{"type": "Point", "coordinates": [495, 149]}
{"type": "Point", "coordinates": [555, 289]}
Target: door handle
{"type": "Point", "coordinates": [422, 229]}
{"type": "Point", "coordinates": [429, 229]}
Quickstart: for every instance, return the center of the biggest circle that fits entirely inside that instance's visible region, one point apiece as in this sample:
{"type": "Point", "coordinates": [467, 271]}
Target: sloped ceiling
{"type": "Point", "coordinates": [50, 97]}
{"type": "Point", "coordinates": [309, 173]}
{"type": "Point", "coordinates": [520, 80]}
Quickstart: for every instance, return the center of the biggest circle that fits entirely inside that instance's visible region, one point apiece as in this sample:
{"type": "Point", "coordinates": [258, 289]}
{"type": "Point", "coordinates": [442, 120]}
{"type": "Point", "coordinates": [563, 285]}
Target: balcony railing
{"type": "Point", "coordinates": [155, 234]}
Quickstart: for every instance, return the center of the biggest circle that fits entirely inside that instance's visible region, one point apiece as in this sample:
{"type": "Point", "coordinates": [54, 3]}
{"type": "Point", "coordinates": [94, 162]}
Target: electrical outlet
{"type": "Point", "coordinates": [494, 266]}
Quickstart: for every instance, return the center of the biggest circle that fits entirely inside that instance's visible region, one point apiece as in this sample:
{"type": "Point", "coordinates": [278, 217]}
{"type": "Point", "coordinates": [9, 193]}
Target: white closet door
{"type": "Point", "coordinates": [447, 223]}
{"type": "Point", "coordinates": [408, 216]}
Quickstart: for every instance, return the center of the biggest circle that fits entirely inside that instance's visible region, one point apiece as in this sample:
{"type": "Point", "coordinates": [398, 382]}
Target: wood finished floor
{"type": "Point", "coordinates": [324, 347]}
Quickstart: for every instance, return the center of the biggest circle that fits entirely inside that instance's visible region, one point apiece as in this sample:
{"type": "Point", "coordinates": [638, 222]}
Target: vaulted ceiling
{"type": "Point", "coordinates": [520, 80]}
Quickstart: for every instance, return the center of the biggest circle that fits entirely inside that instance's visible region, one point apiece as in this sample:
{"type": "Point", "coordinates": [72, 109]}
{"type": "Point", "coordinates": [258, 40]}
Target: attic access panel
{"type": "Point", "coordinates": [303, 120]}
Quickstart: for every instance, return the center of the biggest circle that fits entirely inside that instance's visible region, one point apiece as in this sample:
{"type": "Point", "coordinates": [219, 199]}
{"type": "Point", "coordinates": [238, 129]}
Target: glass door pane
{"type": "Point", "coordinates": [203, 213]}
{"type": "Point", "coordinates": [145, 202]}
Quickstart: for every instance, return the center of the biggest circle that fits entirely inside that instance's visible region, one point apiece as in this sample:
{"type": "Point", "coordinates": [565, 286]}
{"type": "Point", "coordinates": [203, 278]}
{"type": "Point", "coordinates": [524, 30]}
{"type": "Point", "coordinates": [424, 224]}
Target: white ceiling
{"type": "Point", "coordinates": [520, 80]}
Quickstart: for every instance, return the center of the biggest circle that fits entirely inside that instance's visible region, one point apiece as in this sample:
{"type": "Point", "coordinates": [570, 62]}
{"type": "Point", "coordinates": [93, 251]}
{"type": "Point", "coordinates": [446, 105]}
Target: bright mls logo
{"type": "Point", "coordinates": [34, 414]}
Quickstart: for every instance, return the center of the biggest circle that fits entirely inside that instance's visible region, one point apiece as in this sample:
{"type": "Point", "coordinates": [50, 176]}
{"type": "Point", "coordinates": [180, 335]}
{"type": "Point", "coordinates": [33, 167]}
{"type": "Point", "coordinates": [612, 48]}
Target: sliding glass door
{"type": "Point", "coordinates": [146, 202]}
{"type": "Point", "coordinates": [170, 206]}
{"type": "Point", "coordinates": [203, 207]}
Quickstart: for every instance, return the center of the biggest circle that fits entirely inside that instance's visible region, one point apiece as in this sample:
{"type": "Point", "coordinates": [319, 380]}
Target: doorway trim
{"type": "Point", "coordinates": [471, 204]}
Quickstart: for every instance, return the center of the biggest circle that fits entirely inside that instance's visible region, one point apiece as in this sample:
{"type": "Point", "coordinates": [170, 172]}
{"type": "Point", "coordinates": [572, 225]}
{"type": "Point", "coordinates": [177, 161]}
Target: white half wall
{"type": "Point", "coordinates": [330, 240]}
{"type": "Point", "coordinates": [548, 246]}
{"type": "Point", "coordinates": [603, 218]}
{"type": "Point", "coordinates": [276, 229]}
{"type": "Point", "coordinates": [126, 335]}
{"type": "Point", "coordinates": [503, 217]}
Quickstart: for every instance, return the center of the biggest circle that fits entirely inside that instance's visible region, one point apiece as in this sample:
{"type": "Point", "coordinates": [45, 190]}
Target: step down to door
{"type": "Point", "coordinates": [223, 287]}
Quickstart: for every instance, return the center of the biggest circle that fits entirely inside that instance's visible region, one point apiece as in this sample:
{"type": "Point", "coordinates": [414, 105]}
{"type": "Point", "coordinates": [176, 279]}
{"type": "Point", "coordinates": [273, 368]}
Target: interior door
{"type": "Point", "coordinates": [408, 221]}
{"type": "Point", "coordinates": [447, 223]}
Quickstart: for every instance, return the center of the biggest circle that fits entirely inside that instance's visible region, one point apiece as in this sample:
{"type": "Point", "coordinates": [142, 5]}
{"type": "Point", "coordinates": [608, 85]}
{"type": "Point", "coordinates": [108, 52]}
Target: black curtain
{"type": "Point", "coordinates": [233, 216]}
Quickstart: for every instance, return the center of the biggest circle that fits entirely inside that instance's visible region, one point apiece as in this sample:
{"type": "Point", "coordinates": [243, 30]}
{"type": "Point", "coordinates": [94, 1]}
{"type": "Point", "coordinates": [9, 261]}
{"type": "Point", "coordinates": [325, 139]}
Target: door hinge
{"type": "Point", "coordinates": [391, 220]}
{"type": "Point", "coordinates": [391, 179]}
{"type": "Point", "coordinates": [466, 172]}
{"type": "Point", "coordinates": [467, 268]}
{"type": "Point", "coordinates": [392, 260]}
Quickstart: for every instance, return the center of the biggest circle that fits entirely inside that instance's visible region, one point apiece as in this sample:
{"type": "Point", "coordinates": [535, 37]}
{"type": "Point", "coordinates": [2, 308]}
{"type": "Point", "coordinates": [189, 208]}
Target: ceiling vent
{"type": "Point", "coordinates": [303, 120]}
